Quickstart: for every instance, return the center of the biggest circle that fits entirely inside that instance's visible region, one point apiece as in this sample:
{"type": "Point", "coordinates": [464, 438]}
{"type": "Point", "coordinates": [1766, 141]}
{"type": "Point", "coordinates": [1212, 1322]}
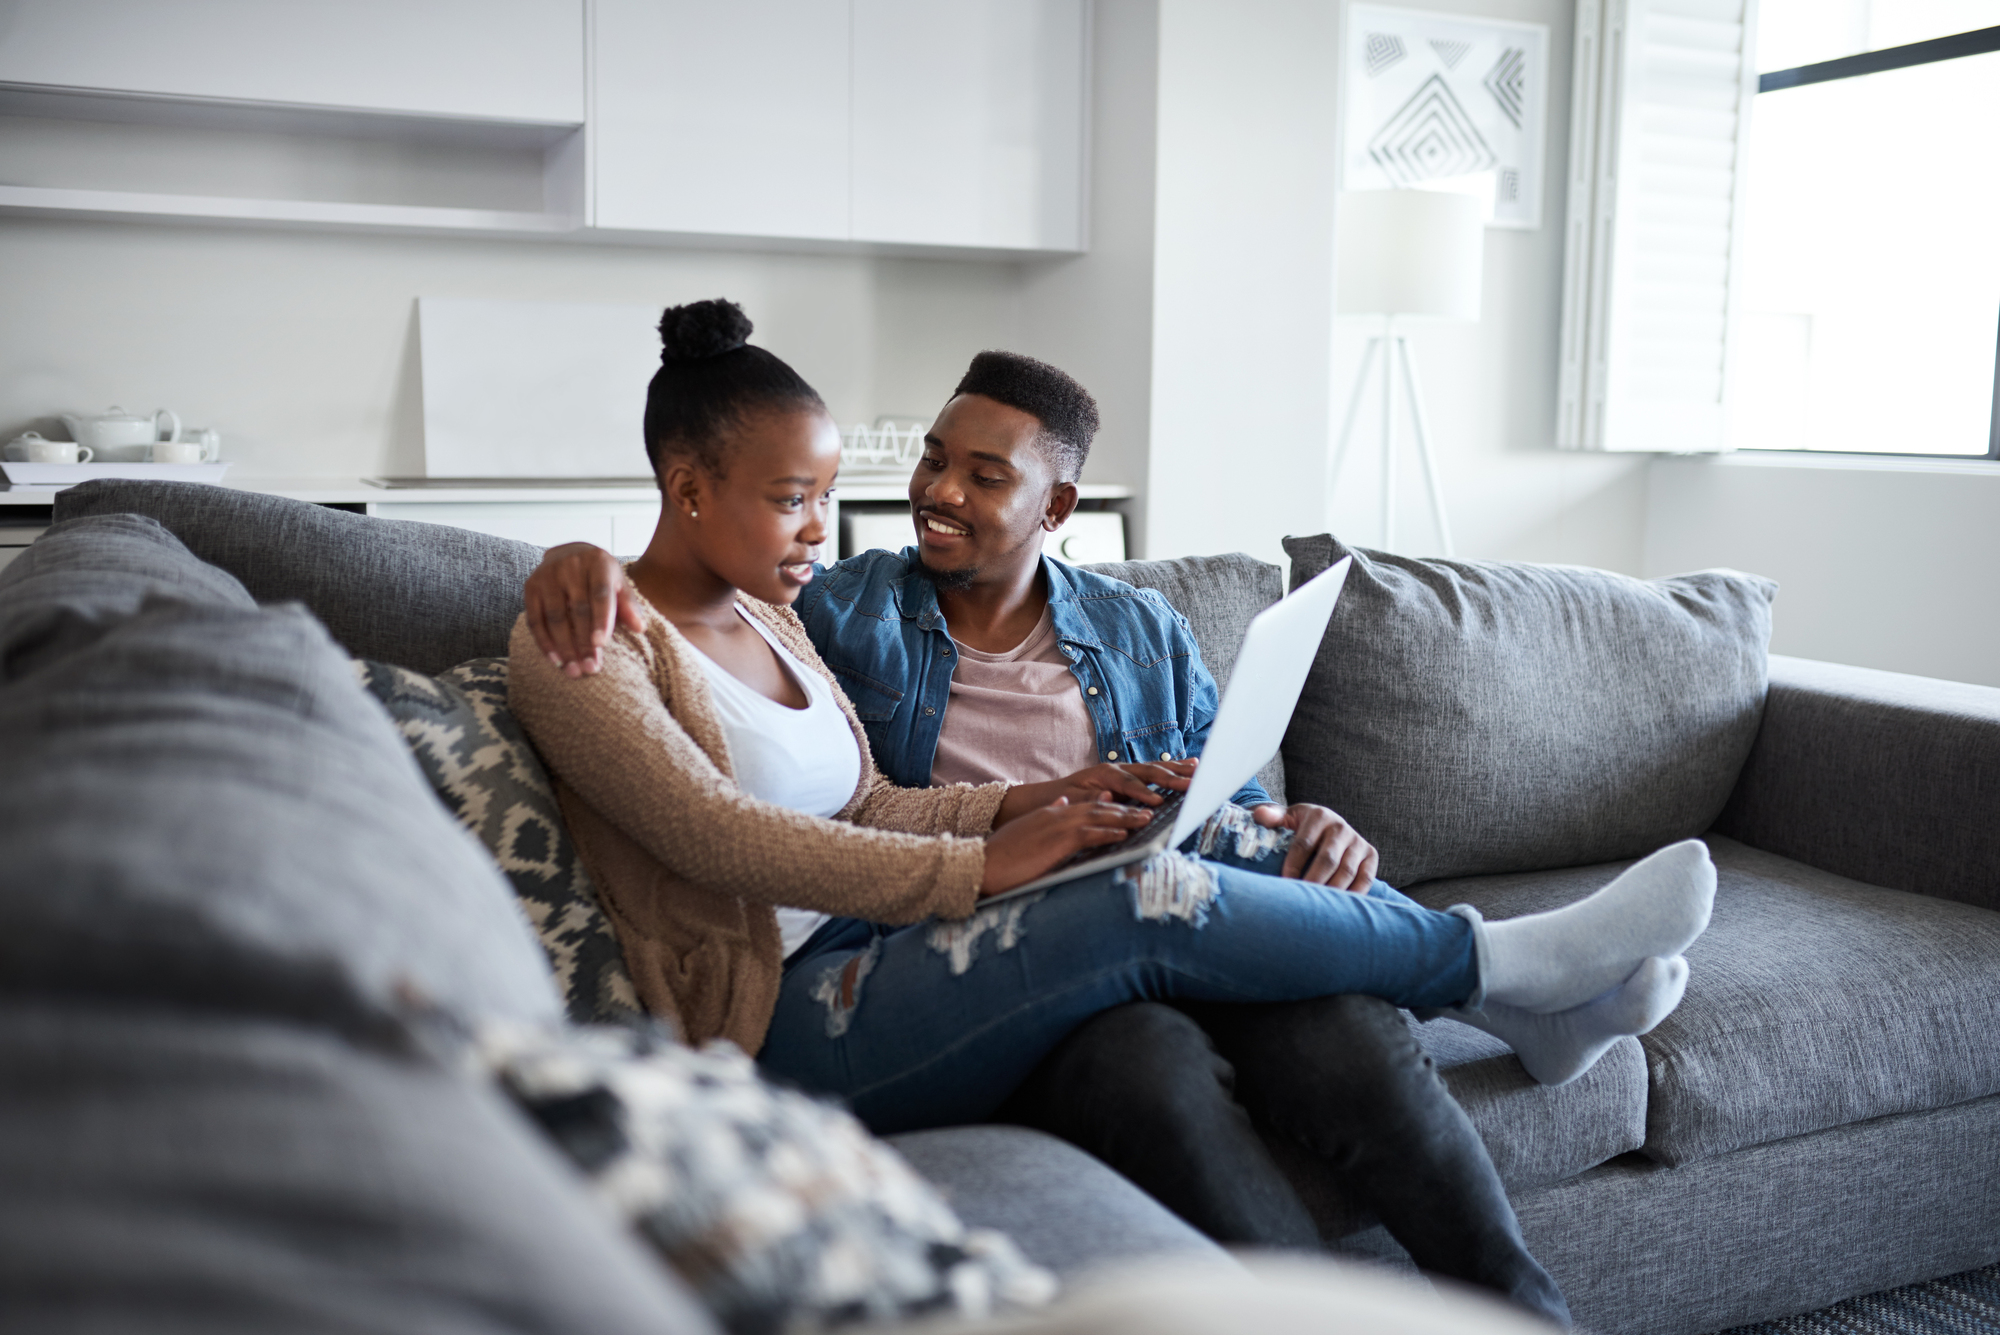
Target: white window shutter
{"type": "Point", "coordinates": [1659, 117]}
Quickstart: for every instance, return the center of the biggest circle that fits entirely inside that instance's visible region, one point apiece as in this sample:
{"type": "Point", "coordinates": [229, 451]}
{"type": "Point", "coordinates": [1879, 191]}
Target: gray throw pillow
{"type": "Point", "coordinates": [1484, 716]}
{"type": "Point", "coordinates": [203, 809]}
{"type": "Point", "coordinates": [482, 767]}
{"type": "Point", "coordinates": [425, 596]}
{"type": "Point", "coordinates": [782, 1212]}
{"type": "Point", "coordinates": [184, 1171]}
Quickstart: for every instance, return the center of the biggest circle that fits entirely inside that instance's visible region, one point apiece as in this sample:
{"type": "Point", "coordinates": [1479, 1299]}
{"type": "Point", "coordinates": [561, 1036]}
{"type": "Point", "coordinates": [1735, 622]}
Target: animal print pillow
{"type": "Point", "coordinates": [782, 1212]}
{"type": "Point", "coordinates": [473, 752]}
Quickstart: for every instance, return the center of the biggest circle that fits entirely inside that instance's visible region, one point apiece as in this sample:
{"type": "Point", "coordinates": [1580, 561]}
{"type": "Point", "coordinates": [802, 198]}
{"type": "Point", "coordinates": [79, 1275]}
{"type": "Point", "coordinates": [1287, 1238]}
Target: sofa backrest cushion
{"type": "Point", "coordinates": [205, 808]}
{"type": "Point", "coordinates": [1218, 595]}
{"type": "Point", "coordinates": [1480, 716]}
{"type": "Point", "coordinates": [424, 596]}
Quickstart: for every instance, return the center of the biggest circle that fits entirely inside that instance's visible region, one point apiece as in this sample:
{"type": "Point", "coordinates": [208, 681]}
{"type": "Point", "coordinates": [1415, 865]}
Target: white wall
{"type": "Point", "coordinates": [1490, 391]}
{"type": "Point", "coordinates": [1242, 282]}
{"type": "Point", "coordinates": [1882, 563]}
{"type": "Point", "coordinates": [301, 347]}
{"type": "Point", "coordinates": [1251, 372]}
{"type": "Point", "coordinates": [1092, 314]}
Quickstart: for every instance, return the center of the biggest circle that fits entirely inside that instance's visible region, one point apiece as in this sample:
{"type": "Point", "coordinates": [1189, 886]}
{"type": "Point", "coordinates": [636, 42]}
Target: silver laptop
{"type": "Point", "coordinates": [1271, 668]}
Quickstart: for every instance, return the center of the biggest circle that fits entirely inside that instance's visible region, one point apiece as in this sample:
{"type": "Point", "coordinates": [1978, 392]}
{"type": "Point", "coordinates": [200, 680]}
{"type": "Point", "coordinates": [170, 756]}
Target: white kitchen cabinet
{"type": "Point", "coordinates": [969, 122]}
{"type": "Point", "coordinates": [721, 118]}
{"type": "Point", "coordinates": [499, 60]}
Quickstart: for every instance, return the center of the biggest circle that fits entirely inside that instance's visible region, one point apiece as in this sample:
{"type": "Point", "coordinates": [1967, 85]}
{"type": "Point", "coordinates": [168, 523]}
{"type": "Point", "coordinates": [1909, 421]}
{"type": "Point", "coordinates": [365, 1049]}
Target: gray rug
{"type": "Point", "coordinates": [1967, 1304]}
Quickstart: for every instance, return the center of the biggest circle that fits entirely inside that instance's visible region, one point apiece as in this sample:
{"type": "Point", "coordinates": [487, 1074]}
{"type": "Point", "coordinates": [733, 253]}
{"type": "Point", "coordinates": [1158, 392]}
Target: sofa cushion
{"type": "Point", "coordinates": [482, 768]}
{"type": "Point", "coordinates": [203, 806]}
{"type": "Point", "coordinates": [1812, 1002]}
{"type": "Point", "coordinates": [1219, 595]}
{"type": "Point", "coordinates": [1476, 716]}
{"type": "Point", "coordinates": [424, 596]}
{"type": "Point", "coordinates": [174, 1171]}
{"type": "Point", "coordinates": [1066, 1210]}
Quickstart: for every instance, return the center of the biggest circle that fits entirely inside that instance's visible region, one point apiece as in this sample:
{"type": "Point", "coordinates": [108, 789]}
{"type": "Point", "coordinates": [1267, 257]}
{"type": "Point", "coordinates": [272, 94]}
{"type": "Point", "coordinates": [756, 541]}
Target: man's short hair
{"type": "Point", "coordinates": [1064, 408]}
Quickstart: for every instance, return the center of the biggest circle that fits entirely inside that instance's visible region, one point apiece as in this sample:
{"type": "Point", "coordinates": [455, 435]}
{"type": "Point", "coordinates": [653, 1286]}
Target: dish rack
{"type": "Point", "coordinates": [887, 447]}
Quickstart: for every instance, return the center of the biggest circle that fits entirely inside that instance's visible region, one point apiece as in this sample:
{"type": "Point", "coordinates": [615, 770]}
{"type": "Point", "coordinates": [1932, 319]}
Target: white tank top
{"type": "Point", "coordinates": [806, 759]}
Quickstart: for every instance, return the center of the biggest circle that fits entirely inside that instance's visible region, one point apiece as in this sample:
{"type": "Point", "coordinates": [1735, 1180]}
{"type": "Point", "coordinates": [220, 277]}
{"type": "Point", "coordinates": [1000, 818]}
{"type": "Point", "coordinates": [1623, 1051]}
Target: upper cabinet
{"type": "Point", "coordinates": [952, 123]}
{"type": "Point", "coordinates": [502, 60]}
{"type": "Point", "coordinates": [720, 118]}
{"type": "Point", "coordinates": [934, 124]}
{"type": "Point", "coordinates": [968, 122]}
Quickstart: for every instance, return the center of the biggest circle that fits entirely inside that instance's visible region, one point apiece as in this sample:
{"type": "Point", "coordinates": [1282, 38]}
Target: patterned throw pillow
{"type": "Point", "coordinates": [781, 1211]}
{"type": "Point", "coordinates": [476, 757]}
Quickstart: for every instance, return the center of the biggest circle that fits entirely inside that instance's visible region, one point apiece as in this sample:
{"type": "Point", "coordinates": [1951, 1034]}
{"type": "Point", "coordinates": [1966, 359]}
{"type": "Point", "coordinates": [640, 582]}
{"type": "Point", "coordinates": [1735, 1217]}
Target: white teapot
{"type": "Point", "coordinates": [118, 429]}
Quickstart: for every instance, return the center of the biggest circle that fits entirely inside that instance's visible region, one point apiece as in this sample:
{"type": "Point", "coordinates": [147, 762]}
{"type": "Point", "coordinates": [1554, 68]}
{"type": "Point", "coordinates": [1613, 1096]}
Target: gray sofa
{"type": "Point", "coordinates": [1818, 1119]}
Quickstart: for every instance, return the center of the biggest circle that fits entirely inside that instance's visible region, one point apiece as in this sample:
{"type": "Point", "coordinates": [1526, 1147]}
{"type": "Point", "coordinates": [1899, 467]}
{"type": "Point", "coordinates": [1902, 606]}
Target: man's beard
{"type": "Point", "coordinates": [952, 581]}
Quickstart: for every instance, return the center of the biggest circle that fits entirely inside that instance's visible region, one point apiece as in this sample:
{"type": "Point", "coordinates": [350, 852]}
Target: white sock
{"type": "Point", "coordinates": [1548, 962]}
{"type": "Point", "coordinates": [1558, 1048]}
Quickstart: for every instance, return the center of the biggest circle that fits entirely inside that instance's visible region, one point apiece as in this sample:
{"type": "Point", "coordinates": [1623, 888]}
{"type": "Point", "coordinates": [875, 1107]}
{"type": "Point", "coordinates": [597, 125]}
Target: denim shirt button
{"type": "Point", "coordinates": [929, 710]}
{"type": "Point", "coordinates": [1090, 690]}
{"type": "Point", "coordinates": [1111, 755]}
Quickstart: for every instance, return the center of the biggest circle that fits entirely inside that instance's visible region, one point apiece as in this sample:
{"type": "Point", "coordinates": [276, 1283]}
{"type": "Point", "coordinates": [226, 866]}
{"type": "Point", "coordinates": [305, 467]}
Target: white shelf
{"type": "Point", "coordinates": [53, 202]}
{"type": "Point", "coordinates": [355, 491]}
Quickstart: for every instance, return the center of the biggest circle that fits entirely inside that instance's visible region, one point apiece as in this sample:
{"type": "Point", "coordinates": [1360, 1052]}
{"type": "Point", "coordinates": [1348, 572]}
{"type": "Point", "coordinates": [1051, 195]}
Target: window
{"type": "Point", "coordinates": [1868, 279]}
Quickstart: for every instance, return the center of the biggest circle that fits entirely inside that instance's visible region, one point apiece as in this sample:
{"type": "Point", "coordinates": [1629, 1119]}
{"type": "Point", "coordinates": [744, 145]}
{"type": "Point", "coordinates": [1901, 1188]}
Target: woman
{"type": "Point", "coordinates": [769, 886]}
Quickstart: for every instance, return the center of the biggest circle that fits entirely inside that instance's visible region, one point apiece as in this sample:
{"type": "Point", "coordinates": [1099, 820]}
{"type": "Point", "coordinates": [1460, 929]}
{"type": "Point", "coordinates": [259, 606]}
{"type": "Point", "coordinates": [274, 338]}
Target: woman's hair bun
{"type": "Point", "coordinates": [702, 329]}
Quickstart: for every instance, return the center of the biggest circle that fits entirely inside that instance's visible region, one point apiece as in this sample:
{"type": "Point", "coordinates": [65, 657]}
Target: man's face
{"type": "Point", "coordinates": [983, 493]}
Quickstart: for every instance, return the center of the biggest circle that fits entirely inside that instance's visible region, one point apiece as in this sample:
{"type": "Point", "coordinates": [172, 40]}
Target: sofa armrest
{"type": "Point", "coordinates": [1883, 777]}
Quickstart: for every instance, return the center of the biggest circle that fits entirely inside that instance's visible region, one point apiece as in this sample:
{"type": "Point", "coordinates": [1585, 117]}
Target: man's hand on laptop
{"type": "Point", "coordinates": [1132, 784]}
{"type": "Point", "coordinates": [1324, 848]}
{"type": "Point", "coordinates": [575, 599]}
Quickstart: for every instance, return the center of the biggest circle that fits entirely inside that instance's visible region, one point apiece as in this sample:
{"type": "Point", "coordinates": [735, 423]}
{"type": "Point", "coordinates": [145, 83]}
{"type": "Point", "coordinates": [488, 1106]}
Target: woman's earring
{"type": "Point", "coordinates": [693, 513]}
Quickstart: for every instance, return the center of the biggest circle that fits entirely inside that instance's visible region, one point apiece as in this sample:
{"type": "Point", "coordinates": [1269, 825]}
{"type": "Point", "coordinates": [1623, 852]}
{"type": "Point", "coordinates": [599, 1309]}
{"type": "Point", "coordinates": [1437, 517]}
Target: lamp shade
{"type": "Point", "coordinates": [1409, 253]}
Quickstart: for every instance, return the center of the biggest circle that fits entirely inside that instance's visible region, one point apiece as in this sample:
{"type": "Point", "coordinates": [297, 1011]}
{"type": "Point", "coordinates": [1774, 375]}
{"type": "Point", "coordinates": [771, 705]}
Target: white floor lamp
{"type": "Point", "coordinates": [1402, 255]}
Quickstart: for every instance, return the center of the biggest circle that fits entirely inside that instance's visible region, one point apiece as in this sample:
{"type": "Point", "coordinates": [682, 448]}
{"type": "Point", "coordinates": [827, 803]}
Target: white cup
{"type": "Point", "coordinates": [41, 451]}
{"type": "Point", "coordinates": [180, 452]}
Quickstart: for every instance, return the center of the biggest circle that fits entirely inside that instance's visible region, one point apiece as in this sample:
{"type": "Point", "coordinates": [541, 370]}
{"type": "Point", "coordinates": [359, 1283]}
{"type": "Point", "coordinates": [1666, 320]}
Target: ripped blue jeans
{"type": "Point", "coordinates": [935, 1024]}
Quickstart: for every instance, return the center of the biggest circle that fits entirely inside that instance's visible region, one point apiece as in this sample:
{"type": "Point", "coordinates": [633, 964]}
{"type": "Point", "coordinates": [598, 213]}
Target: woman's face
{"type": "Point", "coordinates": [763, 523]}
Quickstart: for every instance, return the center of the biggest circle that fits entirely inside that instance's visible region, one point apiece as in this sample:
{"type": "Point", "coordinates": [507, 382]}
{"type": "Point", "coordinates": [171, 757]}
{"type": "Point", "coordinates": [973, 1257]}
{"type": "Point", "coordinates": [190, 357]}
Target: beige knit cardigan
{"type": "Point", "coordinates": [689, 867]}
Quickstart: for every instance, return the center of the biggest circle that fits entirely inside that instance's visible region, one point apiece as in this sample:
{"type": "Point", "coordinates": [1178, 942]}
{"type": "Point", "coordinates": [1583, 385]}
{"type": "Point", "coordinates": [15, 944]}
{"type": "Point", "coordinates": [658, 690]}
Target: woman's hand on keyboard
{"type": "Point", "coordinates": [1043, 839]}
{"type": "Point", "coordinates": [1121, 783]}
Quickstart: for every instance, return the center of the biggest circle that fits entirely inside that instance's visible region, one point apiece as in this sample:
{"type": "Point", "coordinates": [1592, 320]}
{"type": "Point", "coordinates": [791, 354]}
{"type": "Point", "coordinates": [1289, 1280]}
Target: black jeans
{"type": "Point", "coordinates": [1166, 1095]}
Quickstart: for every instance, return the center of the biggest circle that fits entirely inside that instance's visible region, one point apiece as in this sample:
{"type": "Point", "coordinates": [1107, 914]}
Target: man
{"type": "Point", "coordinates": [973, 657]}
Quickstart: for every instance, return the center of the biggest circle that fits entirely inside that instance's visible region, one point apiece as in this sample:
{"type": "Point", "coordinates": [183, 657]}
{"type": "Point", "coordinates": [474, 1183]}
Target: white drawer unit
{"type": "Point", "coordinates": [15, 535]}
{"type": "Point", "coordinates": [623, 528]}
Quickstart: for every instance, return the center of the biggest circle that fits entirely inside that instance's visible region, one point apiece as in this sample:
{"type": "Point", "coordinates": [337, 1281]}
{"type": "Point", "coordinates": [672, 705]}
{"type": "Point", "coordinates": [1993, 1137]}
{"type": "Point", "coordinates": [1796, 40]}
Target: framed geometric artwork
{"type": "Point", "coordinates": [1445, 102]}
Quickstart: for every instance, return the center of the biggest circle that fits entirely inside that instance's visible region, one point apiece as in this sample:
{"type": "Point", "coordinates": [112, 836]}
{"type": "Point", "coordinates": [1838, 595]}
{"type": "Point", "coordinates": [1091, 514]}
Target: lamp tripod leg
{"type": "Point", "coordinates": [1390, 342]}
{"type": "Point", "coordinates": [1424, 444]}
{"type": "Point", "coordinates": [1347, 427]}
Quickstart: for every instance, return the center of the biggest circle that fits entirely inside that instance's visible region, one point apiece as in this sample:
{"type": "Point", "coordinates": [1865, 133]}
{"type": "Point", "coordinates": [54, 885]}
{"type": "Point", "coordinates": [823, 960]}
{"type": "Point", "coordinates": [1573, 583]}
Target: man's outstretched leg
{"type": "Point", "coordinates": [1141, 1087]}
{"type": "Point", "coordinates": [1344, 1077]}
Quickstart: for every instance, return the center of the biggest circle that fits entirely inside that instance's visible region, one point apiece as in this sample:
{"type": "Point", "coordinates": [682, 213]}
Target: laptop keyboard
{"type": "Point", "coordinates": [1166, 812]}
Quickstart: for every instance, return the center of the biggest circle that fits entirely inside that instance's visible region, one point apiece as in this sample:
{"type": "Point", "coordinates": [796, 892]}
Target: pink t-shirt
{"type": "Point", "coordinates": [1016, 716]}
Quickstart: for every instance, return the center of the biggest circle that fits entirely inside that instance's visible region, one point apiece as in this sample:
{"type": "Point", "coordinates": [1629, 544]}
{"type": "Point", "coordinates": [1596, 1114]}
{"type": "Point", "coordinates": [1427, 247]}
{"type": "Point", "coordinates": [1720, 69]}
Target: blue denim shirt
{"type": "Point", "coordinates": [875, 620]}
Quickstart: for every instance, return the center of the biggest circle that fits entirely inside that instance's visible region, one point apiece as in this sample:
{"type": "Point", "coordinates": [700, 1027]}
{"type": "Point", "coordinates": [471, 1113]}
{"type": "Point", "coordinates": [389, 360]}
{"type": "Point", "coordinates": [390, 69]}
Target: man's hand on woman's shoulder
{"type": "Point", "coordinates": [574, 600]}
